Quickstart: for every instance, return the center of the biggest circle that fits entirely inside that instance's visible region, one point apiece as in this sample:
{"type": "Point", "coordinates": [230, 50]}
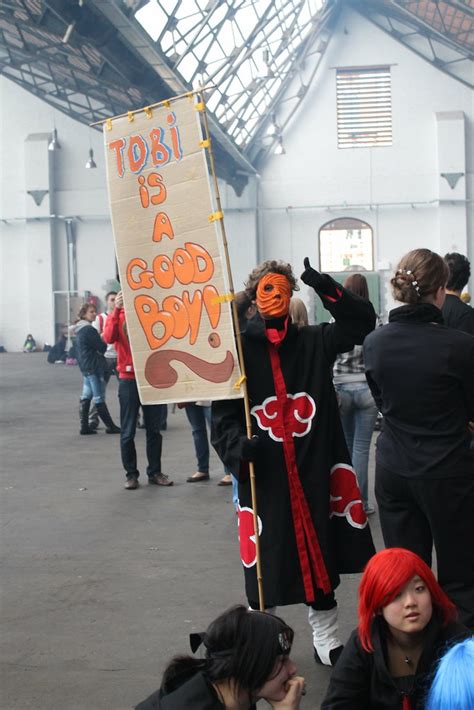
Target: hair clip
{"type": "Point", "coordinates": [284, 643]}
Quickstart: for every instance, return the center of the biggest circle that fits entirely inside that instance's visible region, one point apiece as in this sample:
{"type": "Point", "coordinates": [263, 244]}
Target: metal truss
{"type": "Point", "coordinates": [75, 76]}
{"type": "Point", "coordinates": [90, 66]}
{"type": "Point", "coordinates": [440, 32]}
{"type": "Point", "coordinates": [268, 135]}
{"type": "Point", "coordinates": [248, 49]}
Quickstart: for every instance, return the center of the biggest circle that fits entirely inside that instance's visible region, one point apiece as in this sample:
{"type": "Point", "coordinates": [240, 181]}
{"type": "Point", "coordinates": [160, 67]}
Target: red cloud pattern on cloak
{"type": "Point", "coordinates": [299, 410]}
{"type": "Point", "coordinates": [345, 497]}
{"type": "Point", "coordinates": [248, 548]}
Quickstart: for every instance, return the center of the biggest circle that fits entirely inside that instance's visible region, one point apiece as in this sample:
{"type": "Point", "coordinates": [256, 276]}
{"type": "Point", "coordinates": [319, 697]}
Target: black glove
{"type": "Point", "coordinates": [249, 448]}
{"type": "Point", "coordinates": [322, 283]}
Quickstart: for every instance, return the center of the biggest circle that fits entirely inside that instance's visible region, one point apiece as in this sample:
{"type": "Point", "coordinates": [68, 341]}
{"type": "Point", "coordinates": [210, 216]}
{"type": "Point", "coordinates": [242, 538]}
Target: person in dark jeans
{"type": "Point", "coordinates": [115, 332]}
{"type": "Point", "coordinates": [199, 417]}
{"type": "Point", "coordinates": [152, 413]}
{"type": "Point", "coordinates": [89, 351]}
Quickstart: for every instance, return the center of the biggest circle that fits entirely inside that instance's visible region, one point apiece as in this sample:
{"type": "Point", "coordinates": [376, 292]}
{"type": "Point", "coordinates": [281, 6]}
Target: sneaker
{"type": "Point", "coordinates": [160, 479]}
{"type": "Point", "coordinates": [131, 484]}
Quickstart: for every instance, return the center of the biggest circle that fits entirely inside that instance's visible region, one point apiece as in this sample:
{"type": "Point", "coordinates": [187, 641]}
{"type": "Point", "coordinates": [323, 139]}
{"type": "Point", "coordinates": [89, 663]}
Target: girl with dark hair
{"type": "Point", "coordinates": [421, 375]}
{"type": "Point", "coordinates": [405, 622]}
{"type": "Point", "coordinates": [356, 405]}
{"type": "Point", "coordinates": [247, 657]}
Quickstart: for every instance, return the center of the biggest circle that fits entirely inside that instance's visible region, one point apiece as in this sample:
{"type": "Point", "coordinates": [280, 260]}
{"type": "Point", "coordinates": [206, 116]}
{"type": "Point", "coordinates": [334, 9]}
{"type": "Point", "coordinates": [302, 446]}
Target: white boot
{"type": "Point", "coordinates": [325, 639]}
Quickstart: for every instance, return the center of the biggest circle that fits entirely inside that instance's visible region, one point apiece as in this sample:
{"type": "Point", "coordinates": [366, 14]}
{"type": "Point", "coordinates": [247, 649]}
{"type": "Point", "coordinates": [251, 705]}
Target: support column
{"type": "Point", "coordinates": [39, 258]}
{"type": "Point", "coordinates": [451, 165]}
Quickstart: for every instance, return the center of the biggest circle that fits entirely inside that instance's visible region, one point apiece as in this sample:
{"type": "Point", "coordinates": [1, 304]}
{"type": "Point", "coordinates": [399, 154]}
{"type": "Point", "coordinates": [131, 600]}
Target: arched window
{"type": "Point", "coordinates": [346, 244]}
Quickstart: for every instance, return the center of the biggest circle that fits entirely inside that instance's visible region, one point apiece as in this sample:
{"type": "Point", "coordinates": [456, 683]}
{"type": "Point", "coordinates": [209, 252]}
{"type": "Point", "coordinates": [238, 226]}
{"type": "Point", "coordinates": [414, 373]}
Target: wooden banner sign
{"type": "Point", "coordinates": [170, 256]}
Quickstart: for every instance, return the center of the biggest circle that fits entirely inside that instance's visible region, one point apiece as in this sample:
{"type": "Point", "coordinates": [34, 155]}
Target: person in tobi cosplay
{"type": "Point", "coordinates": [405, 623]}
{"type": "Point", "coordinates": [312, 524]}
{"type": "Point", "coordinates": [453, 684]}
{"type": "Point", "coordinates": [421, 375]}
{"type": "Point", "coordinates": [247, 658]}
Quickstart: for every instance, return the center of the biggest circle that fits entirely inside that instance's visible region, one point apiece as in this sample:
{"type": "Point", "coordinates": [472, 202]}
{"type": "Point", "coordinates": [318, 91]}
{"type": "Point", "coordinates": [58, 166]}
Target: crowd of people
{"type": "Point", "coordinates": [314, 394]}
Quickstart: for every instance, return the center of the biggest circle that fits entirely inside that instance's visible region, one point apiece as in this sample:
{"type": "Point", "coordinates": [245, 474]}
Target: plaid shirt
{"type": "Point", "coordinates": [351, 363]}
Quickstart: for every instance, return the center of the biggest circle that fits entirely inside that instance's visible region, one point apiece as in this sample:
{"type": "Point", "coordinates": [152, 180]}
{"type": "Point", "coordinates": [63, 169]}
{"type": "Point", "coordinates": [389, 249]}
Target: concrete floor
{"type": "Point", "coordinates": [100, 586]}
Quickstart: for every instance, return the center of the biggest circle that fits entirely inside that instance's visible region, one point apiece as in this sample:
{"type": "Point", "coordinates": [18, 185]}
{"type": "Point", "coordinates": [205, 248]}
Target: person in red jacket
{"type": "Point", "coordinates": [115, 332]}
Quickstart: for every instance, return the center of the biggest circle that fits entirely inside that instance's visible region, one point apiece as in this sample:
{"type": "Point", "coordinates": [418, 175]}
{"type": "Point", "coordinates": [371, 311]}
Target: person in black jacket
{"type": "Point", "coordinates": [311, 521]}
{"type": "Point", "coordinates": [421, 375]}
{"type": "Point", "coordinates": [457, 314]}
{"type": "Point", "coordinates": [247, 657]}
{"type": "Point", "coordinates": [405, 623]}
{"type": "Point", "coordinates": [90, 350]}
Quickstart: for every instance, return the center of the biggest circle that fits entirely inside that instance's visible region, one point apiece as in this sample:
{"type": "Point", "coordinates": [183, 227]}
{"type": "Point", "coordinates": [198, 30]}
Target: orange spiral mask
{"type": "Point", "coordinates": [273, 295]}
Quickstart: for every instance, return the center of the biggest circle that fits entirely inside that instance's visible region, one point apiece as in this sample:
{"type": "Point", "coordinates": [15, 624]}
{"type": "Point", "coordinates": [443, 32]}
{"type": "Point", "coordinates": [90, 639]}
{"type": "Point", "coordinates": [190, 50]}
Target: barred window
{"type": "Point", "coordinates": [364, 107]}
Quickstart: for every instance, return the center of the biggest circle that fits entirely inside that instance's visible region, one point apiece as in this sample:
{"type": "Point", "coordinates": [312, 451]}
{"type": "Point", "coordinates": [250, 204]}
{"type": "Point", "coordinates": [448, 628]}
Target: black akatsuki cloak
{"type": "Point", "coordinates": [312, 524]}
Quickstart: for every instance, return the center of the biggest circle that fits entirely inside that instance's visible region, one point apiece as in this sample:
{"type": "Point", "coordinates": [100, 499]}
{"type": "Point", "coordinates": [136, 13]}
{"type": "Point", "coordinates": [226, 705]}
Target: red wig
{"type": "Point", "coordinates": [384, 577]}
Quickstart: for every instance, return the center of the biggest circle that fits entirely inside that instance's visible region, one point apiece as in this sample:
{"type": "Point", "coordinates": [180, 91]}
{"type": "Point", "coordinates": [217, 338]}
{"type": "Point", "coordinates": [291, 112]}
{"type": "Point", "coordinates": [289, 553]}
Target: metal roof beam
{"type": "Point", "coordinates": [142, 44]}
{"type": "Point", "coordinates": [381, 14]}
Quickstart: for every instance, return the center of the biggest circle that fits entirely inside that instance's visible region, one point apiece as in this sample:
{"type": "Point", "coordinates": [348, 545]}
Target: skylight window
{"type": "Point", "coordinates": [245, 48]}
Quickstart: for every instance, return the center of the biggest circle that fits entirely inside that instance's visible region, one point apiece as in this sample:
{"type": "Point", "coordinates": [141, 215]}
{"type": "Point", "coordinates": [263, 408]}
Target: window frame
{"type": "Point", "coordinates": [346, 219]}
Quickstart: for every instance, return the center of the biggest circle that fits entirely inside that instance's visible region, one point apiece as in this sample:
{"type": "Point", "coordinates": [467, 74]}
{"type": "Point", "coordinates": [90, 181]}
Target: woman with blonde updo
{"type": "Point", "coordinates": [421, 375]}
{"type": "Point", "coordinates": [298, 312]}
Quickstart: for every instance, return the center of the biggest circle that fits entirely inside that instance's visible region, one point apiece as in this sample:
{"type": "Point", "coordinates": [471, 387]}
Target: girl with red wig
{"type": "Point", "coordinates": [405, 623]}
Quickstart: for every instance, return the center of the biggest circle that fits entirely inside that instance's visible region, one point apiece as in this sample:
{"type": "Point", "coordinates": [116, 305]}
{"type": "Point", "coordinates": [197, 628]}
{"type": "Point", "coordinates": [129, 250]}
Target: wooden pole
{"type": "Point", "coordinates": [248, 421]}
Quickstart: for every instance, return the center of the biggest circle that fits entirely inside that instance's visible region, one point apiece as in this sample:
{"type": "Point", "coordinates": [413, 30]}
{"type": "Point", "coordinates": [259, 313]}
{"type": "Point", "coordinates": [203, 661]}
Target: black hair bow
{"type": "Point", "coordinates": [196, 639]}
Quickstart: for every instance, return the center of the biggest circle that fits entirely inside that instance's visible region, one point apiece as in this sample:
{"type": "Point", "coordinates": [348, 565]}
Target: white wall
{"type": "Point", "coordinates": [296, 186]}
{"type": "Point", "coordinates": [240, 219]}
{"type": "Point", "coordinates": [33, 253]}
{"type": "Point", "coordinates": [278, 216]}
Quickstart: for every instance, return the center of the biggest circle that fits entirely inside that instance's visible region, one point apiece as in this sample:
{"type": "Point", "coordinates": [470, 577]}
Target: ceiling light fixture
{"type": "Point", "coordinates": [91, 162]}
{"type": "Point", "coordinates": [54, 143]}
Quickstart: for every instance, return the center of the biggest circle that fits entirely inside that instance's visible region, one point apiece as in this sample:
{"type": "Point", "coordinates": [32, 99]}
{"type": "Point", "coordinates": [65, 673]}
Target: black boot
{"type": "Point", "coordinates": [93, 417]}
{"type": "Point", "coordinates": [84, 406]}
{"type": "Point", "coordinates": [104, 414]}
